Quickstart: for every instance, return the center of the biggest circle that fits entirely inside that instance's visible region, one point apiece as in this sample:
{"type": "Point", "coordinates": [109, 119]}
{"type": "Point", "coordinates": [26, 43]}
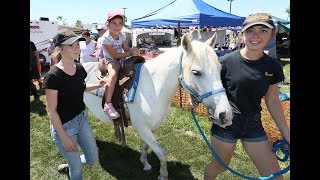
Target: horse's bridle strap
{"type": "Point", "coordinates": [194, 94]}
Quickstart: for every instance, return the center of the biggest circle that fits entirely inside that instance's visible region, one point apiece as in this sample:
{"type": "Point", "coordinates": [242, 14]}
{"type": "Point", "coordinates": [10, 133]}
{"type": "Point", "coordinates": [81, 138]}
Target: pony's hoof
{"type": "Point", "coordinates": [162, 177]}
{"type": "Point", "coordinates": [147, 167]}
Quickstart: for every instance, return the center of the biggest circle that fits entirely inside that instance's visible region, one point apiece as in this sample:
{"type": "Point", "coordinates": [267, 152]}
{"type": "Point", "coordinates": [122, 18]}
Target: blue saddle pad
{"type": "Point", "coordinates": [133, 89]}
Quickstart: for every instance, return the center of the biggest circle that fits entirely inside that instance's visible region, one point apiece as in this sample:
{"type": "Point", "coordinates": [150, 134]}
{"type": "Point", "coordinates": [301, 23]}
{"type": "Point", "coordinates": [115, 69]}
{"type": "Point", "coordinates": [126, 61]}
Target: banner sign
{"type": "Point", "coordinates": [156, 33]}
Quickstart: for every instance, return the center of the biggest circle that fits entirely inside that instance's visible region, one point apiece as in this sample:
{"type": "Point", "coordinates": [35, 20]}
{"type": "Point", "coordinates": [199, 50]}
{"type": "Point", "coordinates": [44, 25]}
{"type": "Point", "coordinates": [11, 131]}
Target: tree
{"type": "Point", "coordinates": [63, 21]}
{"type": "Point", "coordinates": [288, 11]}
{"type": "Point", "coordinates": [79, 24]}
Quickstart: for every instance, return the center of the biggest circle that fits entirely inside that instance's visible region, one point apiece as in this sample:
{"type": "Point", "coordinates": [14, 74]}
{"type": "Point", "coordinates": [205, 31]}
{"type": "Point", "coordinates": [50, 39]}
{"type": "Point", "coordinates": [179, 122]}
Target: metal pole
{"type": "Point", "coordinates": [124, 11]}
{"type": "Point", "coordinates": [179, 34]}
{"type": "Point", "coordinates": [230, 5]}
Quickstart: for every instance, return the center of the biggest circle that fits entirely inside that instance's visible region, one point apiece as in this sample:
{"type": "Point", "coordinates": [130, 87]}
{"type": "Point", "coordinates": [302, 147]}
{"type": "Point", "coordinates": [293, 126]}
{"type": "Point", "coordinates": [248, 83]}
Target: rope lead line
{"type": "Point", "coordinates": [278, 144]}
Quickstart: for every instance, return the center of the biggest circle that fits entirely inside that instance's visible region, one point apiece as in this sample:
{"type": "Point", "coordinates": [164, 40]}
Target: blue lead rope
{"type": "Point", "coordinates": [278, 144]}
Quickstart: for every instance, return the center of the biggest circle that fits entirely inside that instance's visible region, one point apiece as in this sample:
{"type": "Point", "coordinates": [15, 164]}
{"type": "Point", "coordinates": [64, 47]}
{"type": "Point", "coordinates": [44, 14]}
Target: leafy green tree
{"type": "Point", "coordinates": [79, 24]}
{"type": "Point", "coordinates": [288, 11]}
{"type": "Point", "coordinates": [61, 20]}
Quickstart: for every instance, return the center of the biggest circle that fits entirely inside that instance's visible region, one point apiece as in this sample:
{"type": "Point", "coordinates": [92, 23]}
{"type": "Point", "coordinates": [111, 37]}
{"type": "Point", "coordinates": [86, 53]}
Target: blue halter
{"type": "Point", "coordinates": [197, 98]}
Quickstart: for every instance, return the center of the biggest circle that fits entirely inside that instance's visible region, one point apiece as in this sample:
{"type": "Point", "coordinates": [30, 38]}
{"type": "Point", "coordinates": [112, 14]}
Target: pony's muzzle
{"type": "Point", "coordinates": [221, 119]}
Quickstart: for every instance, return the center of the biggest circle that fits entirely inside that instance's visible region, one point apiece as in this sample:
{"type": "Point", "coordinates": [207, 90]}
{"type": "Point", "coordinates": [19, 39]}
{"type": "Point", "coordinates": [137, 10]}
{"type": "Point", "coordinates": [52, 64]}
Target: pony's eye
{"type": "Point", "coordinates": [195, 72]}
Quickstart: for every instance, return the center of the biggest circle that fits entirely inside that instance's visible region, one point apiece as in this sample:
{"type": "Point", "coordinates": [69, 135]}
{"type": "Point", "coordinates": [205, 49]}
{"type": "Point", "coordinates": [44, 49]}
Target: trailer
{"type": "Point", "coordinates": [41, 31]}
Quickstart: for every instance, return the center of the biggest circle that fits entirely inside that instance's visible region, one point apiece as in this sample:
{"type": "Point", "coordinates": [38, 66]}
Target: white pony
{"type": "Point", "coordinates": [195, 65]}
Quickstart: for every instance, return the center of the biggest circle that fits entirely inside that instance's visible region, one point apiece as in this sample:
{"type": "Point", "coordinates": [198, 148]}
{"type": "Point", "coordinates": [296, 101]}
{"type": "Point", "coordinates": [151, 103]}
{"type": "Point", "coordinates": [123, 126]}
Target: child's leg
{"type": "Point", "coordinates": [113, 69]}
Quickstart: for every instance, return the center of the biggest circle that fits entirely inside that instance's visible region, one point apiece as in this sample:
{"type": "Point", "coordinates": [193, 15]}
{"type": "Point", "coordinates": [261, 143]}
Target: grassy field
{"type": "Point", "coordinates": [179, 137]}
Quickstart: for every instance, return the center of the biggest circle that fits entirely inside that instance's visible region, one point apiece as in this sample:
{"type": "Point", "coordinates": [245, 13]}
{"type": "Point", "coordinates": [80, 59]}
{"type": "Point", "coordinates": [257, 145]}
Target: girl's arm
{"type": "Point", "coordinates": [90, 87]}
{"type": "Point", "coordinates": [125, 46]}
{"type": "Point", "coordinates": [132, 51]}
{"type": "Point", "coordinates": [127, 51]}
{"type": "Point", "coordinates": [275, 108]}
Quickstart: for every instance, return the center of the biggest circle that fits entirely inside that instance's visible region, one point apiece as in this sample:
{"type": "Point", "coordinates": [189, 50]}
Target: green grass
{"type": "Point", "coordinates": [178, 136]}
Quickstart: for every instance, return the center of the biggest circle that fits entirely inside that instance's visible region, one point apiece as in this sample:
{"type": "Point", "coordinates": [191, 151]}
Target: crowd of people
{"type": "Point", "coordinates": [248, 74]}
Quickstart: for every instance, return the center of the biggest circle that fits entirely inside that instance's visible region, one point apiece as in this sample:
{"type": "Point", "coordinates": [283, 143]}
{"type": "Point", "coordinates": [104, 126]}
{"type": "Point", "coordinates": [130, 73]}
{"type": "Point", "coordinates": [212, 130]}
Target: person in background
{"type": "Point", "coordinates": [64, 87]}
{"type": "Point", "coordinates": [50, 50]}
{"type": "Point", "coordinates": [239, 41]}
{"type": "Point", "coordinates": [233, 43]}
{"type": "Point", "coordinates": [115, 48]}
{"type": "Point", "coordinates": [248, 75]}
{"type": "Point", "coordinates": [34, 72]}
{"type": "Point", "coordinates": [219, 50]}
{"type": "Point", "coordinates": [88, 49]}
{"type": "Point", "coordinates": [99, 52]}
{"type": "Point", "coordinates": [176, 33]}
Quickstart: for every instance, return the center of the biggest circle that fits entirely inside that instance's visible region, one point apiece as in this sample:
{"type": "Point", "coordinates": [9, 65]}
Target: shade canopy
{"type": "Point", "coordinates": [276, 20]}
{"type": "Point", "coordinates": [188, 13]}
{"type": "Point", "coordinates": [282, 24]}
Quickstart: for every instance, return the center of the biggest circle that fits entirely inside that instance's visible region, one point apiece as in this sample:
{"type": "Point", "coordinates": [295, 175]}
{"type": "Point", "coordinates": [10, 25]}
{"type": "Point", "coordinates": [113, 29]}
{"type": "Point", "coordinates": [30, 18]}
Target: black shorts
{"type": "Point", "coordinates": [246, 128]}
{"type": "Point", "coordinates": [34, 72]}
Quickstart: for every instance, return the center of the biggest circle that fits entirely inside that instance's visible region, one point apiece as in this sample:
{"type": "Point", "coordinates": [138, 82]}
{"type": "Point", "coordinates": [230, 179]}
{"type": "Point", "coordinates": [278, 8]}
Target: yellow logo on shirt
{"type": "Point", "coordinates": [268, 74]}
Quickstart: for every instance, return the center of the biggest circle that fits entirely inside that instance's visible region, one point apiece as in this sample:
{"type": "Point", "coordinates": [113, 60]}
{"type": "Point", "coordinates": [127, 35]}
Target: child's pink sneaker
{"type": "Point", "coordinates": [109, 109]}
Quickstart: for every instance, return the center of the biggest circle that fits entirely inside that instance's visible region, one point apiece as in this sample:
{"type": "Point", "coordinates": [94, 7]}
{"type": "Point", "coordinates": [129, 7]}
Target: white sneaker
{"type": "Point", "coordinates": [63, 168]}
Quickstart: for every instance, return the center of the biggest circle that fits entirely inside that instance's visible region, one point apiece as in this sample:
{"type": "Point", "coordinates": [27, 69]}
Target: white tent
{"type": "Point", "coordinates": [126, 30]}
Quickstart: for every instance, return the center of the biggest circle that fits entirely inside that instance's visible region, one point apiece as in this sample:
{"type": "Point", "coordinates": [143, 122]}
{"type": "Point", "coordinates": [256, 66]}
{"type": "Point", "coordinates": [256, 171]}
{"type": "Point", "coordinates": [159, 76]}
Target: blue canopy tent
{"type": "Point", "coordinates": [282, 24]}
{"type": "Point", "coordinates": [283, 28]}
{"type": "Point", "coordinates": [188, 13]}
{"type": "Point", "coordinates": [276, 20]}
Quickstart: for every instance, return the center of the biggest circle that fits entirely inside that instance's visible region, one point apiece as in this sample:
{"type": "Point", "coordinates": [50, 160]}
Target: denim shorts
{"type": "Point", "coordinates": [243, 127]}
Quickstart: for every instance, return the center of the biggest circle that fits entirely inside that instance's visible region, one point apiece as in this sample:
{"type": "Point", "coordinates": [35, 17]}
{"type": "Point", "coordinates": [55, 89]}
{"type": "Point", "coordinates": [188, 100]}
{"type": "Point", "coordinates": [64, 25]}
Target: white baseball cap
{"type": "Point", "coordinates": [101, 27]}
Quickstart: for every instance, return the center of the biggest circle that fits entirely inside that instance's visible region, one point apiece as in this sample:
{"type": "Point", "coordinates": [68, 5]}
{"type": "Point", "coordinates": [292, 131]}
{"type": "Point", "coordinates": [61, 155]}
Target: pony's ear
{"type": "Point", "coordinates": [194, 35]}
{"type": "Point", "coordinates": [186, 42]}
{"type": "Point", "coordinates": [212, 41]}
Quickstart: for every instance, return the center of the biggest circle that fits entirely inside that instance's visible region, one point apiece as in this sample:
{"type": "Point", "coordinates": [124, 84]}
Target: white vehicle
{"type": "Point", "coordinates": [41, 31]}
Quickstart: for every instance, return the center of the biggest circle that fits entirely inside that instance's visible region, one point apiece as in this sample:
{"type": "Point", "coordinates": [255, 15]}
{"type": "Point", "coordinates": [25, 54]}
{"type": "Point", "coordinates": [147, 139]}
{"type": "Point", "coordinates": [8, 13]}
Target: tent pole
{"type": "Point", "coordinates": [179, 34]}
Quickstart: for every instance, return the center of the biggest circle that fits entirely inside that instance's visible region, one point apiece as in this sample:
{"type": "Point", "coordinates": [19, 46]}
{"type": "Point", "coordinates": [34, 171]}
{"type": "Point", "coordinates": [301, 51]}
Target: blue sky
{"type": "Point", "coordinates": [94, 11]}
